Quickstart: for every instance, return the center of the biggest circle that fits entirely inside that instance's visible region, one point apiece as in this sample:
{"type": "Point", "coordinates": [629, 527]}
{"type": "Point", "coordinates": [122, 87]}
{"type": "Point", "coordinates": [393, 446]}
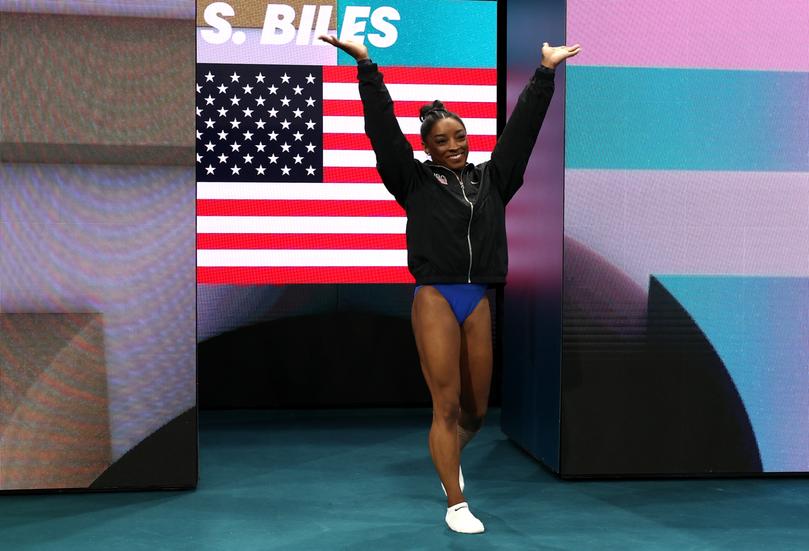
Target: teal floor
{"type": "Point", "coordinates": [361, 479]}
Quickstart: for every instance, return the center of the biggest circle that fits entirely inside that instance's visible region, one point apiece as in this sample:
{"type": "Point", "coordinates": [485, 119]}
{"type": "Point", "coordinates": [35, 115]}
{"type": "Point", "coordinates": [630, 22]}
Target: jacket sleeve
{"type": "Point", "coordinates": [394, 155]}
{"type": "Point", "coordinates": [510, 156]}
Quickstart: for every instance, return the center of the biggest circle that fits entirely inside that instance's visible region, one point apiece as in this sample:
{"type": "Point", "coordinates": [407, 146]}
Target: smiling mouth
{"type": "Point", "coordinates": [456, 157]}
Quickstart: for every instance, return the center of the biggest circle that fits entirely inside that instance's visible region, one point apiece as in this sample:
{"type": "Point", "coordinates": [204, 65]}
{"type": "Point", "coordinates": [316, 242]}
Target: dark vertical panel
{"type": "Point", "coordinates": [532, 301]}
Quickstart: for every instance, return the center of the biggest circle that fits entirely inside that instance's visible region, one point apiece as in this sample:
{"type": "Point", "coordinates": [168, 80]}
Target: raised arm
{"type": "Point", "coordinates": [513, 149]}
{"type": "Point", "coordinates": [394, 155]}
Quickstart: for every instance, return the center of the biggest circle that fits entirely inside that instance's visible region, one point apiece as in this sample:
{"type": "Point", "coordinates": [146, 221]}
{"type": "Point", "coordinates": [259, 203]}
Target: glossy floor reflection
{"type": "Point", "coordinates": [361, 479]}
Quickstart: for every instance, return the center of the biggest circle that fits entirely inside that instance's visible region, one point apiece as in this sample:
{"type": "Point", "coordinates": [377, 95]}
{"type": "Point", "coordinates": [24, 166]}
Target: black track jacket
{"type": "Point", "coordinates": [456, 228]}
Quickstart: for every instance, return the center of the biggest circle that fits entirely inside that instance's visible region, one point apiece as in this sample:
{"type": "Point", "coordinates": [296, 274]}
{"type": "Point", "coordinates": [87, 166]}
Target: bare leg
{"type": "Point", "coordinates": [438, 339]}
{"type": "Point", "coordinates": [476, 371]}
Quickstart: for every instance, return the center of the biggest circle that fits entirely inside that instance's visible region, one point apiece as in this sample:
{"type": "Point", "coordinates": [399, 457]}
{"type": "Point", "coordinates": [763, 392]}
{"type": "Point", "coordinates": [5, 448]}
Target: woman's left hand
{"type": "Point", "coordinates": [554, 55]}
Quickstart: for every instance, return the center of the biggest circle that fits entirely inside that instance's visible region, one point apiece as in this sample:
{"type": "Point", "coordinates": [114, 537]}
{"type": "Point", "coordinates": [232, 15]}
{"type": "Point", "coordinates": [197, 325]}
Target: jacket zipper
{"type": "Point", "coordinates": [469, 227]}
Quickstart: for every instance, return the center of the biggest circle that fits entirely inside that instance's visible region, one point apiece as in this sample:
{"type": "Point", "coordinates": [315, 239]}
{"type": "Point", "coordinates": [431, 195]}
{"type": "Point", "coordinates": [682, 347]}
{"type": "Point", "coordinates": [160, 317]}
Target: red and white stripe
{"type": "Point", "coordinates": [347, 229]}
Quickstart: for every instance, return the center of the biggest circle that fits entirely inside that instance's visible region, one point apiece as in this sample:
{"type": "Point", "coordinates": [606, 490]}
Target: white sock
{"type": "Point", "coordinates": [460, 480]}
{"type": "Point", "coordinates": [460, 519]}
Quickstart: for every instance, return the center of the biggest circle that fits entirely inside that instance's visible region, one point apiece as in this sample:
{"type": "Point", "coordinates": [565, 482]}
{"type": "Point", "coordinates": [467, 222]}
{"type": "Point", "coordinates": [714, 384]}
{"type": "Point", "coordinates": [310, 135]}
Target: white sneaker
{"type": "Point", "coordinates": [460, 519]}
{"type": "Point", "coordinates": [460, 480]}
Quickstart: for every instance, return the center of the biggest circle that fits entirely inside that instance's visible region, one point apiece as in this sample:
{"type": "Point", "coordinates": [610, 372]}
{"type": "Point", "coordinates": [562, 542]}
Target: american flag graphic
{"type": "Point", "coordinates": [287, 189]}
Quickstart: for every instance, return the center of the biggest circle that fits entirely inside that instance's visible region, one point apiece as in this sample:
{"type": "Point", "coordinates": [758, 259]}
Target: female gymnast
{"type": "Point", "coordinates": [456, 248]}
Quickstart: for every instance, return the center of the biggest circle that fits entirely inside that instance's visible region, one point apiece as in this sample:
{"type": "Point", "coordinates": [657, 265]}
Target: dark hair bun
{"type": "Point", "coordinates": [429, 108]}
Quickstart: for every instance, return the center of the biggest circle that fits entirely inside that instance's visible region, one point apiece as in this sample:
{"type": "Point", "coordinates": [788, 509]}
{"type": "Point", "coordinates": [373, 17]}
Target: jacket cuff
{"type": "Point", "coordinates": [543, 73]}
{"type": "Point", "coordinates": [366, 67]}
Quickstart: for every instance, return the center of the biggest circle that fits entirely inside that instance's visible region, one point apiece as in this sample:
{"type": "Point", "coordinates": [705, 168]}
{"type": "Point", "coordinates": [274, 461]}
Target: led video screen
{"type": "Point", "coordinates": [687, 236]}
{"type": "Point", "coordinates": [97, 247]}
{"type": "Point", "coordinates": [287, 190]}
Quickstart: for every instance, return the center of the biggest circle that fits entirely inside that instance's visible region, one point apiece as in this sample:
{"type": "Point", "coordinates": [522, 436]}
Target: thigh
{"type": "Point", "coordinates": [476, 360]}
{"type": "Point", "coordinates": [438, 339]}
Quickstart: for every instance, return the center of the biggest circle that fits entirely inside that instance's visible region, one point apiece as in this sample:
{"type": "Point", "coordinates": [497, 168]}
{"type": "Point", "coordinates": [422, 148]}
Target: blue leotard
{"type": "Point", "coordinates": [462, 297]}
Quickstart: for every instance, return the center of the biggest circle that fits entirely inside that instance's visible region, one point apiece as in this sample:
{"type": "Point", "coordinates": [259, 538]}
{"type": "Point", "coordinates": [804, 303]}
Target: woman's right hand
{"type": "Point", "coordinates": [354, 49]}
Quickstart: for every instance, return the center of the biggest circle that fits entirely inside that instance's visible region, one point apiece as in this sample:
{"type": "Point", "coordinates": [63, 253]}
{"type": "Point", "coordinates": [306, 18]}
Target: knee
{"type": "Point", "coordinates": [447, 412]}
{"type": "Point", "coordinates": [472, 420]}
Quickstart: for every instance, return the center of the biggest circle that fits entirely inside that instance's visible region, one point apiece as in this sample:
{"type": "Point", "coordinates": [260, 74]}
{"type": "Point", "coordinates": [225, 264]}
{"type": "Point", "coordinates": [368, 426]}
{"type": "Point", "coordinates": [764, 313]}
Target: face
{"type": "Point", "coordinates": [446, 144]}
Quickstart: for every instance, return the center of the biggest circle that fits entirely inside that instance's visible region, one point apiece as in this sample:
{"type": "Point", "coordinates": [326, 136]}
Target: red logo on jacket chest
{"type": "Point", "coordinates": [441, 178]}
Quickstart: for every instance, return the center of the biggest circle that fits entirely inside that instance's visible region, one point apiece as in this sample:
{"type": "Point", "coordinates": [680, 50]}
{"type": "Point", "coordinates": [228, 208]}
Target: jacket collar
{"type": "Point", "coordinates": [442, 167]}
